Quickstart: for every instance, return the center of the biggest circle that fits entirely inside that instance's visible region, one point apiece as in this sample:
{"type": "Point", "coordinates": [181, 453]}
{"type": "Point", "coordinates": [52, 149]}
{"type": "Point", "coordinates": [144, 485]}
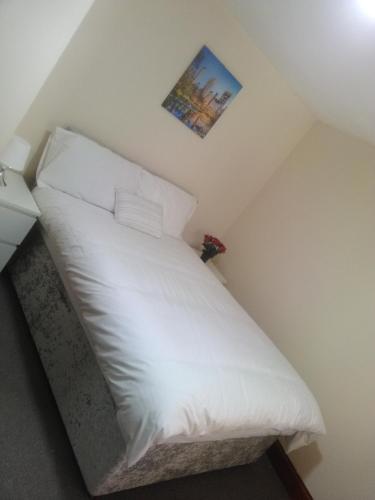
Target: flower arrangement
{"type": "Point", "coordinates": [211, 247]}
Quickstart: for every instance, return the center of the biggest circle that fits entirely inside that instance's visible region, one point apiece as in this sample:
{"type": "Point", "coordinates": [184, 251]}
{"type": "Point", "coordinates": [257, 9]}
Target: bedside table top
{"type": "Point", "coordinates": [213, 268]}
{"type": "Point", "coordinates": [216, 272]}
{"type": "Point", "coordinates": [16, 195]}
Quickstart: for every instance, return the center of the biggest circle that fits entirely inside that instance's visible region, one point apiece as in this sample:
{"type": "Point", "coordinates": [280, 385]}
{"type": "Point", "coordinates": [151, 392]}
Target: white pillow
{"type": "Point", "coordinates": [82, 168]}
{"type": "Point", "coordinates": [178, 206]}
{"type": "Point", "coordinates": [138, 213]}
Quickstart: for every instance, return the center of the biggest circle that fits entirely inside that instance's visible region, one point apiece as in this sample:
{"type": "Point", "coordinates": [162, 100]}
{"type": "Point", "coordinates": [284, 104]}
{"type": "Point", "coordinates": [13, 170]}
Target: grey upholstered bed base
{"type": "Point", "coordinates": [82, 395]}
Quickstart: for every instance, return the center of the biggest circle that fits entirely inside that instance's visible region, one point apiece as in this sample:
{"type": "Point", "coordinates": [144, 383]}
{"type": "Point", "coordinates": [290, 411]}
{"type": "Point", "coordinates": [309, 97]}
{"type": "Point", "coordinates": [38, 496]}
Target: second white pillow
{"type": "Point", "coordinates": [140, 214]}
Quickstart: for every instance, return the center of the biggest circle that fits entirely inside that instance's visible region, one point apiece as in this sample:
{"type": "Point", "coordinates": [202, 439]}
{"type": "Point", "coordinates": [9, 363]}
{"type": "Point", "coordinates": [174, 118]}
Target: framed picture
{"type": "Point", "coordinates": [203, 93]}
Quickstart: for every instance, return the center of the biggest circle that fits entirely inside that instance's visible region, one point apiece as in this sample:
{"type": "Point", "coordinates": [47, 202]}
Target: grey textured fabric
{"type": "Point", "coordinates": [83, 397]}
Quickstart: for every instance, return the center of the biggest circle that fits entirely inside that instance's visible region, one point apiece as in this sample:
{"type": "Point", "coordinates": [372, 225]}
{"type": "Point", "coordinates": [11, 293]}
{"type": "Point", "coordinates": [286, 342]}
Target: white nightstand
{"type": "Point", "coordinates": [18, 212]}
{"type": "Point", "coordinates": [213, 268]}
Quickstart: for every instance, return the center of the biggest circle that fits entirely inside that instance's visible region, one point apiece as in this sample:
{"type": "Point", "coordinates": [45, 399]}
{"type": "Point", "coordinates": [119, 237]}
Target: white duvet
{"type": "Point", "coordinates": [183, 361]}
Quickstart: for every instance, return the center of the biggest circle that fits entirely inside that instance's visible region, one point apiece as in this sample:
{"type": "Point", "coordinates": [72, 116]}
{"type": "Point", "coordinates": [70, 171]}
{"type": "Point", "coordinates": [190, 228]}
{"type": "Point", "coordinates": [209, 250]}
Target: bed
{"type": "Point", "coordinates": [156, 369]}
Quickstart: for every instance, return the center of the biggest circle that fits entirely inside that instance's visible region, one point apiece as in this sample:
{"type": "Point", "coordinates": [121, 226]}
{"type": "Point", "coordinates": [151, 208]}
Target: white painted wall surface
{"type": "Point", "coordinates": [33, 34]}
{"type": "Point", "coordinates": [119, 67]}
{"type": "Point", "coordinates": [301, 260]}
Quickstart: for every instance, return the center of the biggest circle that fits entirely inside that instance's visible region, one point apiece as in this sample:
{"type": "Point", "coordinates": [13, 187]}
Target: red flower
{"type": "Point", "coordinates": [210, 242]}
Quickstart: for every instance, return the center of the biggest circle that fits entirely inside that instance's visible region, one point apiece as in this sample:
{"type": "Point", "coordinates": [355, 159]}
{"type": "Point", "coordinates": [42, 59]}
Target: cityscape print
{"type": "Point", "coordinates": [203, 93]}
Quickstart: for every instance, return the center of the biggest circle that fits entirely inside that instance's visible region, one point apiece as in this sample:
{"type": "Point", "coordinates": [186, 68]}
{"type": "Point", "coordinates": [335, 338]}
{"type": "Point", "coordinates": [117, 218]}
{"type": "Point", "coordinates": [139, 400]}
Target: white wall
{"type": "Point", "coordinates": [301, 260]}
{"type": "Point", "coordinates": [119, 67]}
{"type": "Point", "coordinates": [33, 34]}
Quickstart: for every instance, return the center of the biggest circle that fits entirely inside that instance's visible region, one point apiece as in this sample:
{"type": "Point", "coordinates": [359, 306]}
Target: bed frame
{"type": "Point", "coordinates": [83, 397]}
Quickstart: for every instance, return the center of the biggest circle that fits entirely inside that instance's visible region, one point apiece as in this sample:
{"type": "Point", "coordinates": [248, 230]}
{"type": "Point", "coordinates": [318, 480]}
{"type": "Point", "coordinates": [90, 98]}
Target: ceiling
{"type": "Point", "coordinates": [325, 49]}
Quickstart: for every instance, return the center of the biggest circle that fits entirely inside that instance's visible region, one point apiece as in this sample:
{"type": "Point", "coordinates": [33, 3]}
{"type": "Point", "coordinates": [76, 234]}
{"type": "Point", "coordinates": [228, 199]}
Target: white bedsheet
{"type": "Point", "coordinates": [183, 361]}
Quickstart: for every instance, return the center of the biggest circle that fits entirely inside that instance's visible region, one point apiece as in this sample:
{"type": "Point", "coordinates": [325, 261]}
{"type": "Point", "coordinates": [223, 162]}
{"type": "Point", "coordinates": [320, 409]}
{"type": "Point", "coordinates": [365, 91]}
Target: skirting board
{"type": "Point", "coordinates": [286, 471]}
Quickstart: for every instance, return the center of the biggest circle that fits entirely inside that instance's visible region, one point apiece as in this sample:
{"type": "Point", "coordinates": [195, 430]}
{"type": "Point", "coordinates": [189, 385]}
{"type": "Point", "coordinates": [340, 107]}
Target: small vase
{"type": "Point", "coordinates": [208, 253]}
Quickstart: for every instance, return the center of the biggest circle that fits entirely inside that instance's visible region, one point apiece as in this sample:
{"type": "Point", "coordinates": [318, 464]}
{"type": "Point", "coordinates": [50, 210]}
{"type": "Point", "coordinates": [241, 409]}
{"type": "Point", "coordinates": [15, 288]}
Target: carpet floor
{"type": "Point", "coordinates": [36, 459]}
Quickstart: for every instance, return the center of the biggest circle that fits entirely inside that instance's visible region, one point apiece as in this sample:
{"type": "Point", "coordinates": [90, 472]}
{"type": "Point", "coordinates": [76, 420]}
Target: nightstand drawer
{"type": "Point", "coordinates": [6, 252]}
{"type": "Point", "coordinates": [14, 225]}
